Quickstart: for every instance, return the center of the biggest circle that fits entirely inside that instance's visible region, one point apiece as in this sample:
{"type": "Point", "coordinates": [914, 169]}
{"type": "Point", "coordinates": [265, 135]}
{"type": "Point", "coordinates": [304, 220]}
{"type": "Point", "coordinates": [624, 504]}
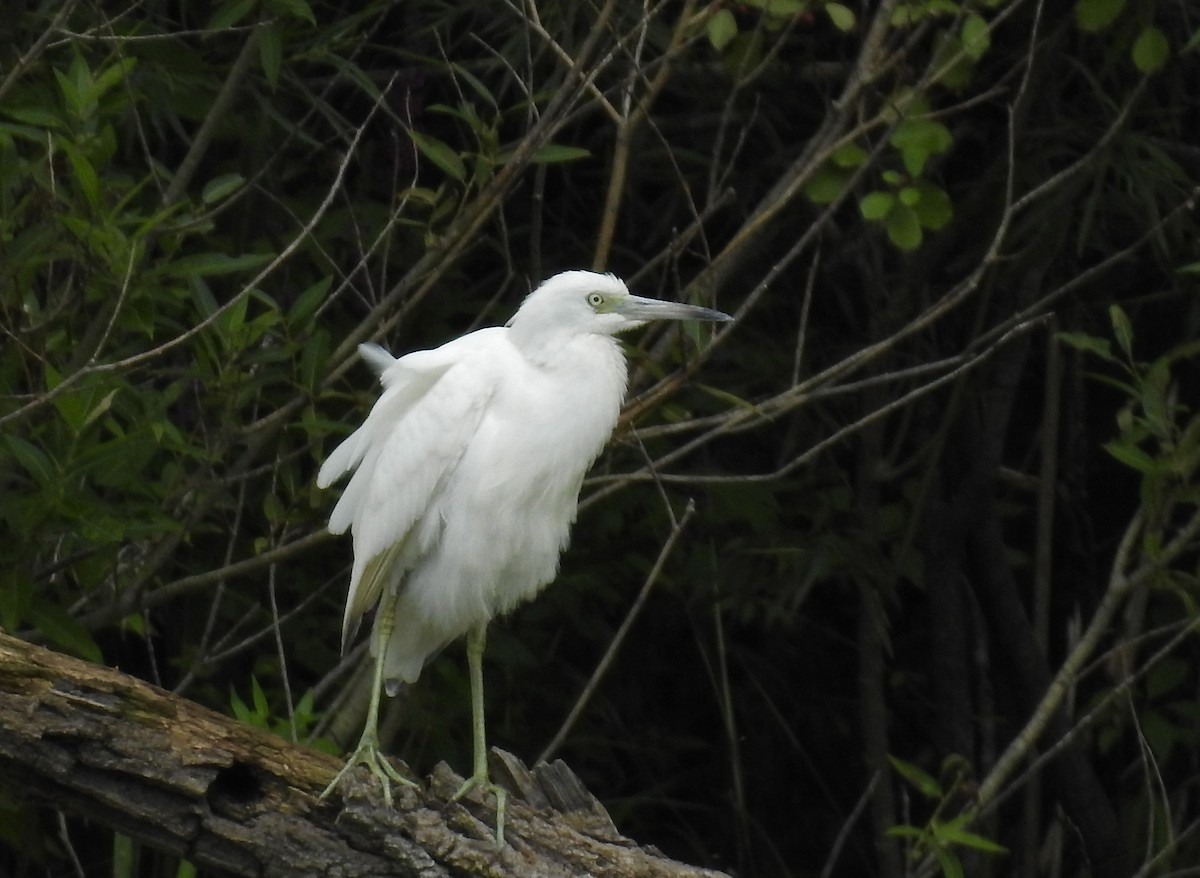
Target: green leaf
{"type": "Point", "coordinates": [954, 833]}
{"type": "Point", "coordinates": [313, 358]}
{"type": "Point", "coordinates": [1150, 50]}
{"type": "Point", "coordinates": [32, 459]}
{"type": "Point", "coordinates": [219, 187]}
{"type": "Point", "coordinates": [100, 407]}
{"type": "Point", "coordinates": [934, 209]}
{"type": "Point", "coordinates": [309, 301]}
{"type": "Point", "coordinates": [905, 831]}
{"type": "Point", "coordinates": [85, 174]}
{"type": "Point", "coordinates": [1101, 347]}
{"type": "Point", "coordinates": [721, 29]}
{"type": "Point", "coordinates": [849, 155]}
{"type": "Point", "coordinates": [975, 38]}
{"type": "Point", "coordinates": [921, 780]}
{"type": "Point", "coordinates": [240, 711]}
{"type": "Point", "coordinates": [440, 154]}
{"type": "Point", "coordinates": [260, 698]}
{"type": "Point", "coordinates": [1153, 395]}
{"type": "Point", "coordinates": [826, 185]}
{"type": "Point", "coordinates": [229, 14]}
{"type": "Point", "coordinates": [15, 600]}
{"type": "Point", "coordinates": [39, 117]}
{"type": "Point", "coordinates": [781, 8]}
{"type": "Point", "coordinates": [876, 205]}
{"type": "Point", "coordinates": [918, 139]}
{"type": "Point", "coordinates": [110, 77]}
{"type": "Point", "coordinates": [270, 53]}
{"type": "Point", "coordinates": [950, 864]}
{"type": "Point", "coordinates": [553, 152]}
{"type": "Point", "coordinates": [841, 16]}
{"type": "Point", "coordinates": [909, 196]}
{"type": "Point", "coordinates": [1095, 15]}
{"type": "Point", "coordinates": [1122, 329]}
{"type": "Point", "coordinates": [70, 406]}
{"type": "Point", "coordinates": [298, 9]}
{"type": "Point", "coordinates": [64, 631]}
{"type": "Point", "coordinates": [209, 264]}
{"type": "Point", "coordinates": [71, 89]}
{"type": "Point", "coordinates": [1132, 456]}
{"type": "Point", "coordinates": [903, 228]}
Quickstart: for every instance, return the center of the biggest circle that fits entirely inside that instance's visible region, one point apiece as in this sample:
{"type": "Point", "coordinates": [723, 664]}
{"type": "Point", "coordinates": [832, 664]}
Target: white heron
{"type": "Point", "coordinates": [466, 477]}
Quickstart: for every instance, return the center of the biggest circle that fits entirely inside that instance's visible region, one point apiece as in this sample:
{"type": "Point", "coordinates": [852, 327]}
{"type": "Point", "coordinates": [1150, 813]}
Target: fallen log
{"type": "Point", "coordinates": [93, 741]}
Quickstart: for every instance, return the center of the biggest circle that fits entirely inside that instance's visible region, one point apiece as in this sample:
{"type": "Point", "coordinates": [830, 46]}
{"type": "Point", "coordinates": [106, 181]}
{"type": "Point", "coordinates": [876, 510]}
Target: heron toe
{"type": "Point", "coordinates": [486, 786]}
{"type": "Point", "coordinates": [368, 753]}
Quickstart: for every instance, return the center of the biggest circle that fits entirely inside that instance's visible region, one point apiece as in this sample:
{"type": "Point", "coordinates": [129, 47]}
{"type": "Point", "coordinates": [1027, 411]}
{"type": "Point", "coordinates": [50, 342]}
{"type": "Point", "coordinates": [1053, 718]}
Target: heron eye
{"type": "Point", "coordinates": [595, 300]}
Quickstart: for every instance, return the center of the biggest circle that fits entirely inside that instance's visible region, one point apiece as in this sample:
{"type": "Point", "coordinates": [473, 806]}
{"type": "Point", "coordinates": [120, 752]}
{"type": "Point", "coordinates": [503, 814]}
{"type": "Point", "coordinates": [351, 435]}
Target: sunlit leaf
{"type": "Point", "coordinates": [721, 28]}
{"type": "Point", "coordinates": [975, 37]}
{"type": "Point", "coordinates": [953, 832]}
{"type": "Point", "coordinates": [920, 779]}
{"type": "Point", "coordinates": [948, 862]}
{"type": "Point", "coordinates": [219, 187]}
{"type": "Point", "coordinates": [1122, 328]}
{"type": "Point", "coordinates": [554, 152]}
{"type": "Point", "coordinates": [1132, 456]}
{"type": "Point", "coordinates": [1092, 344]}
{"type": "Point", "coordinates": [825, 185]}
{"type": "Point", "coordinates": [1150, 50]}
{"type": "Point", "coordinates": [849, 155]}
{"type": "Point", "coordinates": [918, 139]}
{"type": "Point", "coordinates": [876, 205]}
{"type": "Point", "coordinates": [841, 16]}
{"type": "Point", "coordinates": [110, 77]}
{"type": "Point", "coordinates": [1096, 15]}
{"type": "Point", "coordinates": [903, 228]}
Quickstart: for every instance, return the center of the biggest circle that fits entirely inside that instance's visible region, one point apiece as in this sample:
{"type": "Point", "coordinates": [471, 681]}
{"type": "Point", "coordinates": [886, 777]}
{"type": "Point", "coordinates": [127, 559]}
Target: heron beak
{"type": "Point", "coordinates": [641, 309]}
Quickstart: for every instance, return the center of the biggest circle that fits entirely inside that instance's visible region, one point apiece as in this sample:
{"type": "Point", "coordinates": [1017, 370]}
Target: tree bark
{"type": "Point", "coordinates": [179, 777]}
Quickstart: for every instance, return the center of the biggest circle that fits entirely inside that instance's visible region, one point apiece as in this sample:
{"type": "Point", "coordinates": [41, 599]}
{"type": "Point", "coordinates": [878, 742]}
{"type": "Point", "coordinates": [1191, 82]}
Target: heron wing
{"type": "Point", "coordinates": [413, 437]}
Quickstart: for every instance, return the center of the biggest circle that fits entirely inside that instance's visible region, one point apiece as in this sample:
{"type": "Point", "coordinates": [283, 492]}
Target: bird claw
{"type": "Point", "coordinates": [368, 754]}
{"type": "Point", "coordinates": [482, 784]}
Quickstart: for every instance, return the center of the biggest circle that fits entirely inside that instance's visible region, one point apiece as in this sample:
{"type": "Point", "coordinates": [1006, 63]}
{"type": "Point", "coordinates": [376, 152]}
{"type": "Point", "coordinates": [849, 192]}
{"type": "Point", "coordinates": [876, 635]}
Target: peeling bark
{"type": "Point", "coordinates": [93, 741]}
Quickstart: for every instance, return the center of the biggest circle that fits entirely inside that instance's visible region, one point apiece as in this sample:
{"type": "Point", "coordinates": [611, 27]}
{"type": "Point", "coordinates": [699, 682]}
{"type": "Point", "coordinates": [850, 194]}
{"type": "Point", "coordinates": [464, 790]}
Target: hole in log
{"type": "Point", "coordinates": [237, 782]}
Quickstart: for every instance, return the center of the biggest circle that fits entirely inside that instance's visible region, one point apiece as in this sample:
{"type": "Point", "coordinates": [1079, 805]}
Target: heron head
{"type": "Point", "coordinates": [588, 302]}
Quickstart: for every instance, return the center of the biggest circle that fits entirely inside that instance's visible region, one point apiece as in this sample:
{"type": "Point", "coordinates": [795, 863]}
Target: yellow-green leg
{"type": "Point", "coordinates": [479, 776]}
{"type": "Point", "coordinates": [367, 752]}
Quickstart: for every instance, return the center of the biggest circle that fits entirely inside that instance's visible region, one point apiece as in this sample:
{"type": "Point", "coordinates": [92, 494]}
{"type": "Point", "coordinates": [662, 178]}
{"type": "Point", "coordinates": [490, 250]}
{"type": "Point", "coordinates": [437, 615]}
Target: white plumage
{"type": "Point", "coordinates": [466, 473]}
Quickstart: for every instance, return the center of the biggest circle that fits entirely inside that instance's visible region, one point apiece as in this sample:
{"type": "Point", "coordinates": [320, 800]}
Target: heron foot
{"type": "Point", "coordinates": [368, 753]}
{"type": "Point", "coordinates": [480, 782]}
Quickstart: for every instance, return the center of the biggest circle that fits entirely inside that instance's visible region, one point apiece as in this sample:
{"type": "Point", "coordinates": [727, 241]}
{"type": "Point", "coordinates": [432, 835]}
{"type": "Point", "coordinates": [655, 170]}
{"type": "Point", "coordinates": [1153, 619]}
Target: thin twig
{"type": "Point", "coordinates": [618, 639]}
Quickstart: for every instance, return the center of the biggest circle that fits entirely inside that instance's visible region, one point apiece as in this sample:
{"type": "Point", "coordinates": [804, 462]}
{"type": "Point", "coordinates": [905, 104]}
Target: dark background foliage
{"type": "Point", "coordinates": [947, 452]}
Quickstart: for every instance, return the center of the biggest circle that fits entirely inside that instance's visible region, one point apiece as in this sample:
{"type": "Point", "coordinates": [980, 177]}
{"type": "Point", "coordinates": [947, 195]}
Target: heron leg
{"type": "Point", "coordinates": [368, 752]}
{"type": "Point", "coordinates": [476, 638]}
